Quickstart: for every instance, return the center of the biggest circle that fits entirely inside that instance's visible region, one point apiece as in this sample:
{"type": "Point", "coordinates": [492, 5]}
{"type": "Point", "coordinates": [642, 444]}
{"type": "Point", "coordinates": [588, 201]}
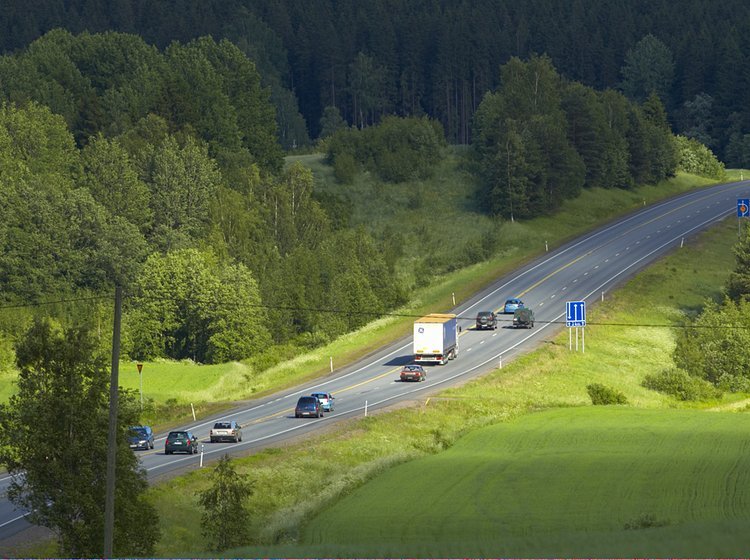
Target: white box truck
{"type": "Point", "coordinates": [436, 338]}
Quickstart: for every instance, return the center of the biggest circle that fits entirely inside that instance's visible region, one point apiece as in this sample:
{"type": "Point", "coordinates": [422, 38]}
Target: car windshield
{"type": "Point", "coordinates": [139, 431]}
{"type": "Point", "coordinates": [222, 425]}
{"type": "Point", "coordinates": [320, 395]}
{"type": "Point", "coordinates": [485, 314]}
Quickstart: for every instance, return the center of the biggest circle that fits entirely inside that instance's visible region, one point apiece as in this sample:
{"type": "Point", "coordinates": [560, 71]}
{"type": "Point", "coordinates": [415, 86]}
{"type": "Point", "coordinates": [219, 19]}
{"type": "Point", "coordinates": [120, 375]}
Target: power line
{"type": "Point", "coordinates": [335, 311]}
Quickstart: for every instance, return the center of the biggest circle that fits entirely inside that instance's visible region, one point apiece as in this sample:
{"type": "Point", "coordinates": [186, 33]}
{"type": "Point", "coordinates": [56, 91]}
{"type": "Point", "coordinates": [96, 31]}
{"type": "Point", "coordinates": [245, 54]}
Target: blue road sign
{"type": "Point", "coordinates": [576, 313]}
{"type": "Point", "coordinates": [743, 207]}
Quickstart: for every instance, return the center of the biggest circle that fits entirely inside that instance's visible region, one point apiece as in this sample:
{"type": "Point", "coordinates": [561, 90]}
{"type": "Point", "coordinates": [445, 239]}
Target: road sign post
{"type": "Point", "coordinates": [575, 316]}
{"type": "Point", "coordinates": [743, 211]}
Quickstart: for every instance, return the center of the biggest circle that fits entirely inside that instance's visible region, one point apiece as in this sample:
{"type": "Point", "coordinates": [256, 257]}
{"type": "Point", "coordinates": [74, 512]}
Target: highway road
{"type": "Point", "coordinates": [578, 271]}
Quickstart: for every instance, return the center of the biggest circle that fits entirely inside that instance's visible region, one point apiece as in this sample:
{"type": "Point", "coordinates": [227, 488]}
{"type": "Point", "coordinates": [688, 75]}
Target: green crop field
{"type": "Point", "coordinates": [582, 482]}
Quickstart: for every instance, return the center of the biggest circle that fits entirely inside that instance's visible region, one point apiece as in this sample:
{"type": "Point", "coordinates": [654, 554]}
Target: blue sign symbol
{"type": "Point", "coordinates": [575, 313]}
{"type": "Point", "coordinates": [743, 207]}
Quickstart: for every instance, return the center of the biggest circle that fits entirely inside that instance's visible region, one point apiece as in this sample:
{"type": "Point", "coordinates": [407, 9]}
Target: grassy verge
{"type": "Point", "coordinates": [296, 482]}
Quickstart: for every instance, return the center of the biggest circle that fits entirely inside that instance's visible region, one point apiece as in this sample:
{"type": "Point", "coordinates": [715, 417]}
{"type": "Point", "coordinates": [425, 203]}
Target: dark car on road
{"type": "Point", "coordinates": [141, 437]}
{"type": "Point", "coordinates": [486, 320]}
{"type": "Point", "coordinates": [523, 318]}
{"type": "Point", "coordinates": [413, 372]}
{"type": "Point", "coordinates": [308, 406]}
{"type": "Point", "coordinates": [181, 442]}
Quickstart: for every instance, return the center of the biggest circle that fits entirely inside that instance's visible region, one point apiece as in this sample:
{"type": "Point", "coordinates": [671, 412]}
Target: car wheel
{"type": "Point", "coordinates": [240, 438]}
{"type": "Point", "coordinates": [236, 439]}
{"type": "Point", "coordinates": [167, 452]}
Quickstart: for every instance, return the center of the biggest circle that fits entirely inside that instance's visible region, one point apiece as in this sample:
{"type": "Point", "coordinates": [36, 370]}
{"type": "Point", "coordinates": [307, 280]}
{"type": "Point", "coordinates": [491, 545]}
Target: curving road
{"type": "Point", "coordinates": [578, 271]}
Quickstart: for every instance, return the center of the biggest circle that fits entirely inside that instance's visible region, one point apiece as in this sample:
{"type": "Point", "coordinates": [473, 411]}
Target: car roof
{"type": "Point", "coordinates": [485, 313]}
{"type": "Point", "coordinates": [413, 366]}
{"type": "Point", "coordinates": [316, 394]}
{"type": "Point", "coordinates": [307, 398]}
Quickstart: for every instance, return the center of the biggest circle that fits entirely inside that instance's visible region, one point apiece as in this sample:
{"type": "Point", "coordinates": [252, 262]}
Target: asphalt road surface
{"type": "Point", "coordinates": [581, 270]}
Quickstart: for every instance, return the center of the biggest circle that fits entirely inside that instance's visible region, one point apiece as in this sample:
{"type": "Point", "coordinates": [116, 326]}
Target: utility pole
{"type": "Point", "coordinates": [109, 504]}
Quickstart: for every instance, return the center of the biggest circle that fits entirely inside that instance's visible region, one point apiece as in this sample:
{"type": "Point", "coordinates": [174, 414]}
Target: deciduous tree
{"type": "Point", "coordinates": [54, 443]}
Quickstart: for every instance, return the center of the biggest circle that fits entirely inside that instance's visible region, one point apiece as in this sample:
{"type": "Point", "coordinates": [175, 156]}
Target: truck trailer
{"type": "Point", "coordinates": [436, 338]}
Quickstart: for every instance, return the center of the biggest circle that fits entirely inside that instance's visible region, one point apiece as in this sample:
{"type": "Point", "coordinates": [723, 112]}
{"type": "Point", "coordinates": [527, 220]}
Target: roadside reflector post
{"type": "Point", "coordinates": [202, 446]}
{"type": "Point", "coordinates": [546, 247]}
{"type": "Point", "coordinates": [453, 295]}
{"type": "Point", "coordinates": [682, 242]}
{"type": "Point", "coordinates": [193, 409]}
{"type": "Point", "coordinates": [602, 295]}
{"type": "Point", "coordinates": [500, 361]}
{"type": "Point", "coordinates": [331, 364]}
{"type": "Point", "coordinates": [365, 408]}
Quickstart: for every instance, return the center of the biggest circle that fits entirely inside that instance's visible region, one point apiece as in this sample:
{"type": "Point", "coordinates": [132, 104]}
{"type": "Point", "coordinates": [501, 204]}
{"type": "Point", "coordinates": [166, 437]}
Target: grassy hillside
{"type": "Point", "coordinates": [298, 482]}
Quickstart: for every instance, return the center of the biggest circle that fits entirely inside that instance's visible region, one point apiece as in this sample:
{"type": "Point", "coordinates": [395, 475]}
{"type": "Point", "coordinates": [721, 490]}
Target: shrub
{"type": "Point", "coordinates": [681, 385]}
{"type": "Point", "coordinates": [601, 394]}
{"type": "Point", "coordinates": [696, 158]}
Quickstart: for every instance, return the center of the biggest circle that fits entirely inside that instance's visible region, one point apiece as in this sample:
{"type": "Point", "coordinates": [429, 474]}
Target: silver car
{"type": "Point", "coordinates": [226, 430]}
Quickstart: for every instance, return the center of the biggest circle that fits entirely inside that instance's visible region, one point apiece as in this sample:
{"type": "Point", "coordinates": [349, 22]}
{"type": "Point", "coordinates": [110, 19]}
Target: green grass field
{"type": "Point", "coordinates": [564, 482]}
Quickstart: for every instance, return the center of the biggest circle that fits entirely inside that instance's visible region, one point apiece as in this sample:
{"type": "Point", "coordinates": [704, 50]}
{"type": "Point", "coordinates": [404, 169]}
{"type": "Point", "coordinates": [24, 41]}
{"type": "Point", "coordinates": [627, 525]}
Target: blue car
{"type": "Point", "coordinates": [326, 401]}
{"type": "Point", "coordinates": [512, 304]}
{"type": "Point", "coordinates": [141, 437]}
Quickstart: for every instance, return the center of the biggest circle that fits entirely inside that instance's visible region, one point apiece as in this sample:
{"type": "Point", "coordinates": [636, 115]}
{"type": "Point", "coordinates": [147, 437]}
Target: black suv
{"type": "Point", "coordinates": [486, 320]}
{"type": "Point", "coordinates": [308, 406]}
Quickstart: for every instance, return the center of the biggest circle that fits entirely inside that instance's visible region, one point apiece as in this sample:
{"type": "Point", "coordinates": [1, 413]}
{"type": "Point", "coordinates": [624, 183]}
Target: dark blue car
{"type": "Point", "coordinates": [308, 406]}
{"type": "Point", "coordinates": [141, 437]}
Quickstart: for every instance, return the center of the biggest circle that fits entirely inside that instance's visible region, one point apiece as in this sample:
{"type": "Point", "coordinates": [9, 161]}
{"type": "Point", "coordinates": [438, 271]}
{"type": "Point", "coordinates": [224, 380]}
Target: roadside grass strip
{"type": "Point", "coordinates": [571, 482]}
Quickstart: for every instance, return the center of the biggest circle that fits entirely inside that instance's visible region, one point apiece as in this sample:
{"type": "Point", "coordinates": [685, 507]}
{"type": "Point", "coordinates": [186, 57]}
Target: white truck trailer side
{"type": "Point", "coordinates": [436, 338]}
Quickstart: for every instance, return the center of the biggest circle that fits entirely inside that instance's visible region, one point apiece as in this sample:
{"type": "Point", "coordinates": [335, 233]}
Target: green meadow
{"type": "Point", "coordinates": [567, 482]}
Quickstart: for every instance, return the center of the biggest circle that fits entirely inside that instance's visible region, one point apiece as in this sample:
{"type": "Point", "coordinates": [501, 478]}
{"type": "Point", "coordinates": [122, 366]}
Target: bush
{"type": "Point", "coordinates": [681, 385]}
{"type": "Point", "coordinates": [696, 158]}
{"type": "Point", "coordinates": [601, 394]}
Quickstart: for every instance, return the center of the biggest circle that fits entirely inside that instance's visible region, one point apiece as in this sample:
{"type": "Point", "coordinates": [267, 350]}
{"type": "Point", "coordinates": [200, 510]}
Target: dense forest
{"type": "Point", "coordinates": [159, 167]}
{"type": "Point", "coordinates": [439, 57]}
